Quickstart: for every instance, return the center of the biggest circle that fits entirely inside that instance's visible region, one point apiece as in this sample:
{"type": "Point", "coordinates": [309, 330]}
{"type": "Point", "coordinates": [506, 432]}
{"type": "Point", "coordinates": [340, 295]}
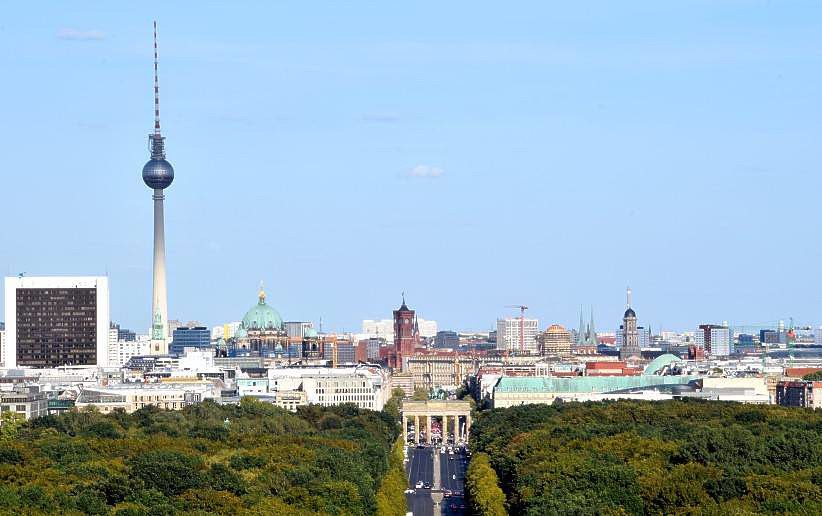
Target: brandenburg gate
{"type": "Point", "coordinates": [414, 410]}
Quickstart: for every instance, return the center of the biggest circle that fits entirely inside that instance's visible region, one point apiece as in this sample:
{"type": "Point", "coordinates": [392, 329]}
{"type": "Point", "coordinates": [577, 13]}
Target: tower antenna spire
{"type": "Point", "coordinates": [158, 150]}
{"type": "Point", "coordinates": [156, 87]}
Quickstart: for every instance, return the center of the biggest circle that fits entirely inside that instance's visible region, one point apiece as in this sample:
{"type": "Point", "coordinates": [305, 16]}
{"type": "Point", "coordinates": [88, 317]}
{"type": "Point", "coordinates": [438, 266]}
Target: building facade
{"type": "Point", "coordinates": [28, 403]}
{"type": "Point", "coordinates": [261, 332]}
{"type": "Point", "coordinates": [447, 339]}
{"type": "Point", "coordinates": [184, 337]}
{"type": "Point", "coordinates": [715, 340]}
{"type": "Point", "coordinates": [515, 333]}
{"type": "Point", "coordinates": [121, 351]}
{"type": "Point", "coordinates": [799, 394]}
{"type": "Point", "coordinates": [555, 341]}
{"type": "Point", "coordinates": [630, 334]}
{"type": "Point", "coordinates": [405, 337]}
{"type": "Point", "coordinates": [56, 321]}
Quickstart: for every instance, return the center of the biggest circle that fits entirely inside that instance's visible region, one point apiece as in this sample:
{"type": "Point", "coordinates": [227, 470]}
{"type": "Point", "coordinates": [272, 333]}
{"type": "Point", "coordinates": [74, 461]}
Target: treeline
{"type": "Point", "coordinates": [648, 458]}
{"type": "Point", "coordinates": [248, 459]}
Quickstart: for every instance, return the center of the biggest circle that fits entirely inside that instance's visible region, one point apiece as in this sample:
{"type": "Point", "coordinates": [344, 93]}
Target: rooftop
{"type": "Point", "coordinates": [586, 383]}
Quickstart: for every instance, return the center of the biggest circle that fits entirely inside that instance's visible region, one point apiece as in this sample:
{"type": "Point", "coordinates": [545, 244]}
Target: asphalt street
{"type": "Point", "coordinates": [420, 467]}
{"type": "Point", "coordinates": [452, 473]}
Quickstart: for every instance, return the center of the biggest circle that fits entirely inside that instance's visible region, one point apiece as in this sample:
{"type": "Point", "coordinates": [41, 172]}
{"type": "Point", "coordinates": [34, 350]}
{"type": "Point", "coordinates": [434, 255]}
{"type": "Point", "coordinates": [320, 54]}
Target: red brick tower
{"type": "Point", "coordinates": [405, 337]}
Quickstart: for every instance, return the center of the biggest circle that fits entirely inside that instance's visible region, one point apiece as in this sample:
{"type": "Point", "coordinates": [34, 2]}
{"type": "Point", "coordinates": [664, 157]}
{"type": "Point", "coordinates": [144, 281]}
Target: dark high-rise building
{"type": "Point", "coordinates": [196, 337]}
{"type": "Point", "coordinates": [745, 342]}
{"type": "Point", "coordinates": [768, 337]}
{"type": "Point", "coordinates": [56, 321]}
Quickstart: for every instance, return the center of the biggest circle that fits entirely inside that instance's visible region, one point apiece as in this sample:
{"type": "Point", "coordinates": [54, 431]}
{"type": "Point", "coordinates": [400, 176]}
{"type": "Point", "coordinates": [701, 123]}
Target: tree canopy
{"type": "Point", "coordinates": [251, 458]}
{"type": "Point", "coordinates": [650, 458]}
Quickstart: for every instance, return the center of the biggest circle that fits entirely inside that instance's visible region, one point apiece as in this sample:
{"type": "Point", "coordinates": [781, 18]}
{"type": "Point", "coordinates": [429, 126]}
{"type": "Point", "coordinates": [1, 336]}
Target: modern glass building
{"type": "Point", "coordinates": [197, 337]}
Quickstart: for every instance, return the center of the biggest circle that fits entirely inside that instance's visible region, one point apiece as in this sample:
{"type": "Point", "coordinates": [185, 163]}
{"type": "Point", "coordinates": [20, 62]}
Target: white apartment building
{"type": "Point", "coordinates": [120, 351]}
{"type": "Point", "coordinates": [365, 386]}
{"type": "Point", "coordinates": [427, 329]}
{"type": "Point", "coordinates": [508, 334]}
{"type": "Point", "coordinates": [130, 398]}
{"type": "Point", "coordinates": [2, 347]}
{"type": "Point", "coordinates": [716, 340]}
{"type": "Point", "coordinates": [224, 331]}
{"type": "Point", "coordinates": [383, 328]}
{"type": "Point", "coordinates": [56, 320]}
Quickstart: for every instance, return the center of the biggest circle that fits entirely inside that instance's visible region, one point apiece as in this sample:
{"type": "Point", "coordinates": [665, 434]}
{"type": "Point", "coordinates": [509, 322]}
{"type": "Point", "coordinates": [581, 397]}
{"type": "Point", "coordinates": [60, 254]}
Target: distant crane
{"type": "Point", "coordinates": [522, 309]}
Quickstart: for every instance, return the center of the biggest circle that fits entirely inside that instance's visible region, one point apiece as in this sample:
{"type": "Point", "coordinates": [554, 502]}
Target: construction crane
{"type": "Point", "coordinates": [522, 309]}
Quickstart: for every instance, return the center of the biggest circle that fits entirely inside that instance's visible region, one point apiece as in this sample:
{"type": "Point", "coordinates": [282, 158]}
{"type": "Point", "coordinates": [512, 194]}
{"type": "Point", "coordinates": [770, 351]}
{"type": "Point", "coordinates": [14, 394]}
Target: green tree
{"type": "Point", "coordinates": [170, 472]}
{"type": "Point", "coordinates": [10, 423]}
{"type": "Point", "coordinates": [391, 494]}
{"type": "Point", "coordinates": [420, 394]}
{"type": "Point", "coordinates": [482, 488]}
{"type": "Point", "coordinates": [394, 404]}
{"type": "Point", "coordinates": [813, 377]}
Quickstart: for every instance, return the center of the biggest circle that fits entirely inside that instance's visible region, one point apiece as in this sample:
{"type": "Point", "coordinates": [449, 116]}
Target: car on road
{"type": "Point", "coordinates": [419, 485]}
{"type": "Point", "coordinates": [427, 485]}
{"type": "Point", "coordinates": [409, 491]}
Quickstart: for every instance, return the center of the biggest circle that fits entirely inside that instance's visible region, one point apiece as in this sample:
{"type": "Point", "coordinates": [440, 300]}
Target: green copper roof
{"type": "Point", "coordinates": [262, 317]}
{"type": "Point", "coordinates": [660, 362]}
{"type": "Point", "coordinates": [586, 383]}
{"type": "Point", "coordinates": [311, 332]}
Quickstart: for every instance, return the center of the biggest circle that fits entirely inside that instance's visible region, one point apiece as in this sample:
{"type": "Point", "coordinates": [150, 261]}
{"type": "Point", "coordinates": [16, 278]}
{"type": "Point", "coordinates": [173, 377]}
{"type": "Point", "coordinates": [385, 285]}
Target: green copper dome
{"type": "Point", "coordinates": [262, 317]}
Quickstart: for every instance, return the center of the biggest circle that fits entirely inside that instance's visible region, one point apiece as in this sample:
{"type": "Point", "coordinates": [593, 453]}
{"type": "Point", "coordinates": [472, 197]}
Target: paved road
{"type": "Point", "coordinates": [452, 471]}
{"type": "Point", "coordinates": [420, 467]}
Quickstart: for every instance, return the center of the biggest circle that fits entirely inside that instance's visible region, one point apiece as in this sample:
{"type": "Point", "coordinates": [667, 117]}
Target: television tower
{"type": "Point", "coordinates": [158, 175]}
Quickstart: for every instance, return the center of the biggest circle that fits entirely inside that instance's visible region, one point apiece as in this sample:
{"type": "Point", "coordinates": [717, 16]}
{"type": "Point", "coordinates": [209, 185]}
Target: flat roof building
{"type": "Point", "coordinates": [54, 321]}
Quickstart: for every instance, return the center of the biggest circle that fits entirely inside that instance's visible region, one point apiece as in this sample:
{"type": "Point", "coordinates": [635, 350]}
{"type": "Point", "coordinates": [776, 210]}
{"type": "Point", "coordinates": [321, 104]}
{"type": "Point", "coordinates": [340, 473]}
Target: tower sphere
{"type": "Point", "coordinates": [158, 173]}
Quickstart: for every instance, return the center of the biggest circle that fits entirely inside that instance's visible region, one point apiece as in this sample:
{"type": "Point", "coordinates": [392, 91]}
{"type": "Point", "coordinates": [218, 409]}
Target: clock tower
{"type": "Point", "coordinates": [405, 335]}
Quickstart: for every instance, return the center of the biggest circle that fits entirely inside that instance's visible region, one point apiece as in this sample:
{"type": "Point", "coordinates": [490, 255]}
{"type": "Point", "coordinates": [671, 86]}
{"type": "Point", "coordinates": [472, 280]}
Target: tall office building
{"type": "Point", "coordinates": [158, 175]}
{"type": "Point", "coordinates": [630, 334]}
{"type": "Point", "coordinates": [190, 337]}
{"type": "Point", "coordinates": [55, 321]}
{"type": "Point", "coordinates": [515, 331]}
{"type": "Point", "coordinates": [715, 339]}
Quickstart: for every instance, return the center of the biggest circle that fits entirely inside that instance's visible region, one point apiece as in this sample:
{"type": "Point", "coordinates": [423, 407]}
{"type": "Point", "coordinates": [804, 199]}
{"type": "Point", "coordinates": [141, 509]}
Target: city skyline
{"type": "Point", "coordinates": [566, 168]}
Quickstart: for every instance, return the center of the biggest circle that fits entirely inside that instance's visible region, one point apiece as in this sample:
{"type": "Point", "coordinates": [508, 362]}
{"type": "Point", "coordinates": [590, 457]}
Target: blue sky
{"type": "Point", "coordinates": [474, 155]}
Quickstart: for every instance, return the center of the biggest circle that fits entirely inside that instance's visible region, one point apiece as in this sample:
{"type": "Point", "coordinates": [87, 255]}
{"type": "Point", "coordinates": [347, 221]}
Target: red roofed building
{"type": "Point", "coordinates": [611, 368]}
{"type": "Point", "coordinates": [799, 372]}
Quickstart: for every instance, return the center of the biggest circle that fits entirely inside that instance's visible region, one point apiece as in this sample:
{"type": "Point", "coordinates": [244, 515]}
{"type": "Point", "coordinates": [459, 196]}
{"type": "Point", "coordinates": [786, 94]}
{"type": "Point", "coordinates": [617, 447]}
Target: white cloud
{"type": "Point", "coordinates": [80, 35]}
{"type": "Point", "coordinates": [426, 171]}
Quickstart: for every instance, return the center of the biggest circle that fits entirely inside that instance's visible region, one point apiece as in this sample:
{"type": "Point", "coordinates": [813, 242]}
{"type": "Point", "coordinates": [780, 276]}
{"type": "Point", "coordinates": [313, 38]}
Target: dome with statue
{"type": "Point", "coordinates": [262, 317]}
